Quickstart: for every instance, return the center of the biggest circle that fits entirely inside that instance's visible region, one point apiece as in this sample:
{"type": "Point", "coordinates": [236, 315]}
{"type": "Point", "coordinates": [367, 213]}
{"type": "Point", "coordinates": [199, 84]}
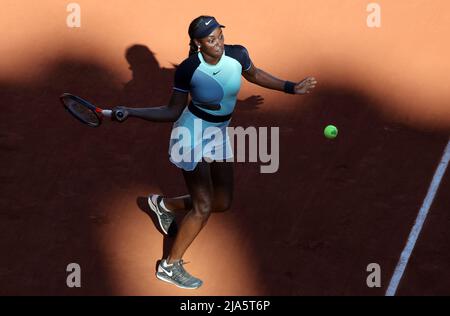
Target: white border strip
{"type": "Point", "coordinates": [414, 234]}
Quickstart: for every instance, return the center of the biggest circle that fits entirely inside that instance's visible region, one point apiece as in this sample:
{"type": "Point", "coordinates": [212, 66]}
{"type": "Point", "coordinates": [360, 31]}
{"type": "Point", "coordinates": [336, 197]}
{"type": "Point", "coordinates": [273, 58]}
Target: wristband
{"type": "Point", "coordinates": [289, 87]}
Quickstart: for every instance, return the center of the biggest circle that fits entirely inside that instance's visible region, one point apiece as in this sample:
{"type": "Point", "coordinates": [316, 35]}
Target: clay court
{"type": "Point", "coordinates": [74, 194]}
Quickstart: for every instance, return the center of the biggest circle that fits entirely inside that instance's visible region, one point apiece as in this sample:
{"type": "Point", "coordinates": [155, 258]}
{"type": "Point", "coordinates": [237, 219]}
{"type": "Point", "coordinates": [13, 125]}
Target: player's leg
{"type": "Point", "coordinates": [222, 175]}
{"type": "Point", "coordinates": [222, 180]}
{"type": "Point", "coordinates": [200, 188]}
{"type": "Point", "coordinates": [199, 185]}
{"type": "Point", "coordinates": [179, 203]}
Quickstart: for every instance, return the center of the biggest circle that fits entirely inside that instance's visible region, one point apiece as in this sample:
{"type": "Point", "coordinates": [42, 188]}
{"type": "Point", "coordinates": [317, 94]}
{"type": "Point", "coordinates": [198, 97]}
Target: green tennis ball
{"type": "Point", "coordinates": [330, 132]}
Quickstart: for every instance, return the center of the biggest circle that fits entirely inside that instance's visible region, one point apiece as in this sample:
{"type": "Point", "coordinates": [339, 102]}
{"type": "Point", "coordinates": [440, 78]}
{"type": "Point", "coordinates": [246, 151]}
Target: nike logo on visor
{"type": "Point", "coordinates": [207, 23]}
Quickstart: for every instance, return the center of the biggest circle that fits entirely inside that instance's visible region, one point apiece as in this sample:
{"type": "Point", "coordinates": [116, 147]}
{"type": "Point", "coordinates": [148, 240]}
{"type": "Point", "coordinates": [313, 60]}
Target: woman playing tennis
{"type": "Point", "coordinates": [212, 76]}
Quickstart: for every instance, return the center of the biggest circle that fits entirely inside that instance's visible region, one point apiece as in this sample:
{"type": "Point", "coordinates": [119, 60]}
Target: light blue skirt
{"type": "Point", "coordinates": [193, 139]}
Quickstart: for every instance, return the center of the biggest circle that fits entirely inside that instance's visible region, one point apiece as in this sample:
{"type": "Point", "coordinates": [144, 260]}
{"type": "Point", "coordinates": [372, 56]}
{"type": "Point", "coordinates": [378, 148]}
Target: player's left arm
{"type": "Point", "coordinates": [266, 80]}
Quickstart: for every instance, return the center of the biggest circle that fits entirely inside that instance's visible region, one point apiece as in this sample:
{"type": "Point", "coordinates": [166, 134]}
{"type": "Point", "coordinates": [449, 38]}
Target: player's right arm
{"type": "Point", "coordinates": [178, 101]}
{"type": "Point", "coordinates": [165, 113]}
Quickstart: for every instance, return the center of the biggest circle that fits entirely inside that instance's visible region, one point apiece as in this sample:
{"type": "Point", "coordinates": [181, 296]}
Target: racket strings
{"type": "Point", "coordinates": [82, 112]}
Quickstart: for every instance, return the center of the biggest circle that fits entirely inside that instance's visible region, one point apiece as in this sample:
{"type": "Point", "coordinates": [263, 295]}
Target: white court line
{"type": "Point", "coordinates": [414, 234]}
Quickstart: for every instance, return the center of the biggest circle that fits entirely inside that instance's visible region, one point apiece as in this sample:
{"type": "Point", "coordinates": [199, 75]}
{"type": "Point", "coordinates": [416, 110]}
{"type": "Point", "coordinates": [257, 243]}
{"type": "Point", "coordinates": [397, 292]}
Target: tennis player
{"type": "Point", "coordinates": [211, 75]}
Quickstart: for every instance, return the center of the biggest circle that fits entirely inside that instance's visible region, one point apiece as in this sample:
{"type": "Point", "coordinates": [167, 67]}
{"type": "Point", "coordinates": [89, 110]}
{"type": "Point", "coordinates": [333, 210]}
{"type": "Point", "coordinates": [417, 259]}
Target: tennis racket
{"type": "Point", "coordinates": [86, 112]}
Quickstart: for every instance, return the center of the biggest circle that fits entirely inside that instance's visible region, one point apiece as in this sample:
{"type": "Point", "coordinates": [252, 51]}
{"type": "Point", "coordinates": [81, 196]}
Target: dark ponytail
{"type": "Point", "coordinates": [193, 48]}
{"type": "Point", "coordinates": [192, 27]}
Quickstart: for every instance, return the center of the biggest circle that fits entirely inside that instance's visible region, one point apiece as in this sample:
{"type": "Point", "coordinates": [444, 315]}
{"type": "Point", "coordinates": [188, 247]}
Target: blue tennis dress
{"type": "Point", "coordinates": [199, 132]}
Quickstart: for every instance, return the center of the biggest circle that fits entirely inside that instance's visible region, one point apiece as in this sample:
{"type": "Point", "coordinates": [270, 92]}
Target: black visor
{"type": "Point", "coordinates": [205, 27]}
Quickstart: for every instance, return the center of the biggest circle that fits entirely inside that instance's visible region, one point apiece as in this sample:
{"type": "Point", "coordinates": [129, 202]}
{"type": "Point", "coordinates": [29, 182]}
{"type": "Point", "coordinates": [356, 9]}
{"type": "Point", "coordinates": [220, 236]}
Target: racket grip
{"type": "Point", "coordinates": [107, 113]}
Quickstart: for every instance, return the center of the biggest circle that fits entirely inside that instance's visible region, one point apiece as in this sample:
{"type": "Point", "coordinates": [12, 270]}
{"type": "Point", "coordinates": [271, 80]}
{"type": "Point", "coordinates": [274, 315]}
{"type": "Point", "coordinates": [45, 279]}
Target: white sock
{"type": "Point", "coordinates": [163, 206]}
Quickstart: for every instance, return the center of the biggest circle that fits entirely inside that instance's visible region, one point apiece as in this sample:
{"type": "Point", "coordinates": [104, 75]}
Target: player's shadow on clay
{"type": "Point", "coordinates": [249, 104]}
{"type": "Point", "coordinates": [150, 84]}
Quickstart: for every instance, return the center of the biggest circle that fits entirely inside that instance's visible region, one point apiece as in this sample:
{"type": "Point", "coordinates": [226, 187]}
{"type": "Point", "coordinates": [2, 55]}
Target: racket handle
{"type": "Point", "coordinates": [107, 113]}
{"type": "Point", "coordinates": [119, 114]}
